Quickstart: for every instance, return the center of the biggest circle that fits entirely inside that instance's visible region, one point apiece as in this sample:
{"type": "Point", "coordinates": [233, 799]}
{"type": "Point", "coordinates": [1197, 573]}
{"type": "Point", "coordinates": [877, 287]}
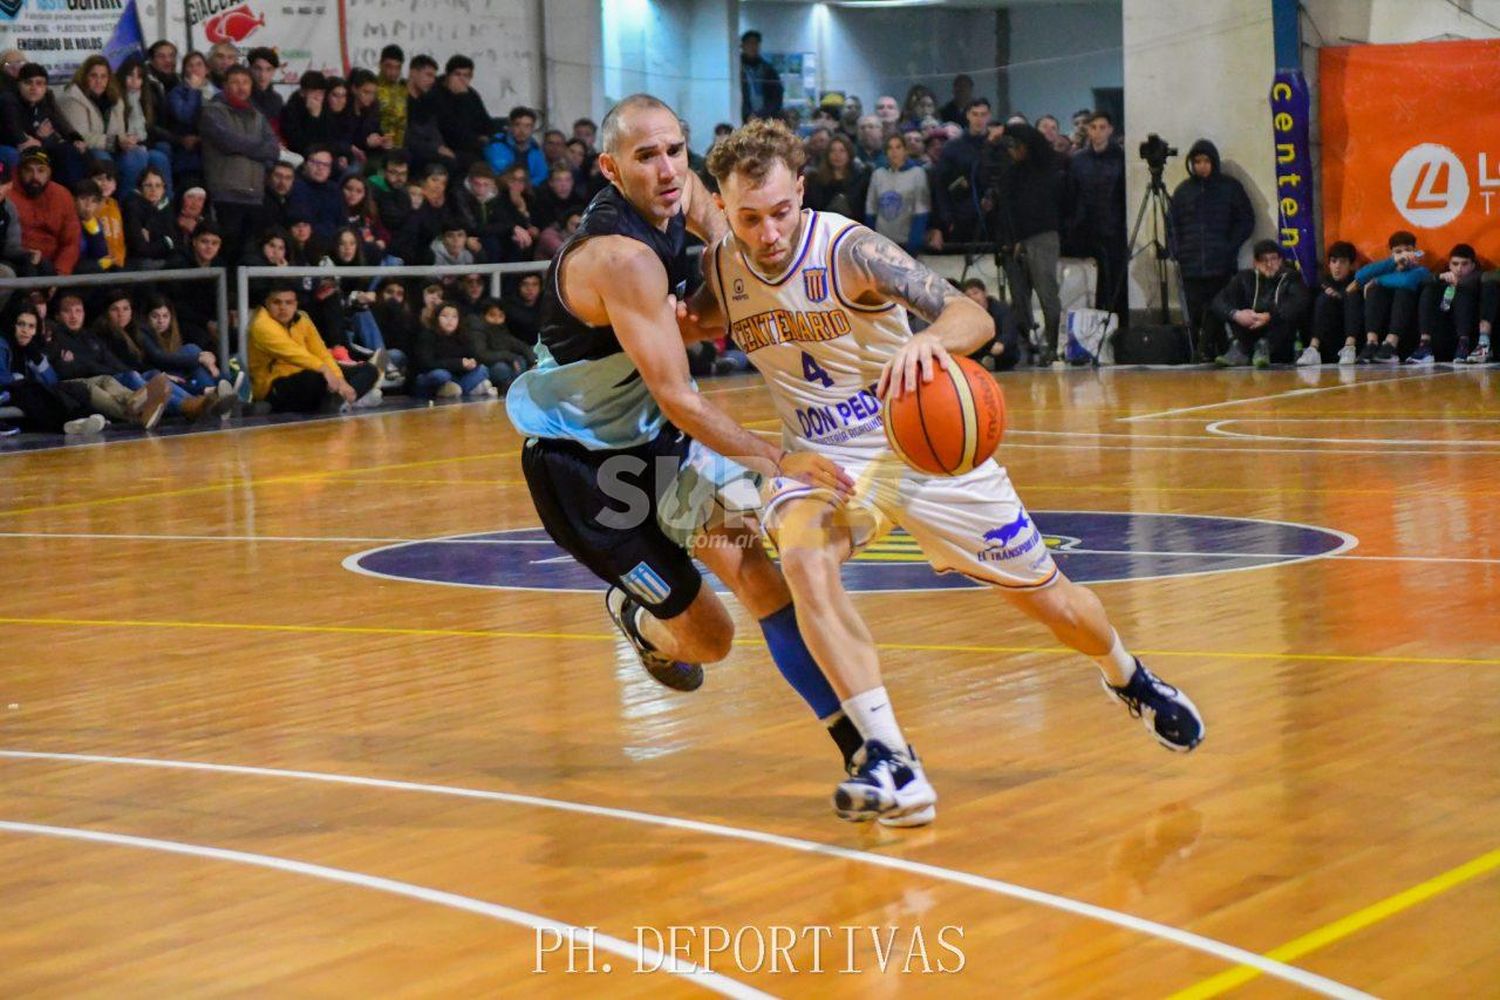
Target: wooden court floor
{"type": "Point", "coordinates": [233, 765]}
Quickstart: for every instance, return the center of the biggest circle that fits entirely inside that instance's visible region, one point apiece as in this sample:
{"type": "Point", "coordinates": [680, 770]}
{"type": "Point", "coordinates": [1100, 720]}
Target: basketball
{"type": "Point", "coordinates": [949, 425]}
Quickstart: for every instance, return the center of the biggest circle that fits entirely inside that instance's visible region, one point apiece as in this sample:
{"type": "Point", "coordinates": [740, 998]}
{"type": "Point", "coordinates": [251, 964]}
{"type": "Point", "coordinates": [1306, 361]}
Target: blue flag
{"type": "Point", "coordinates": [127, 40]}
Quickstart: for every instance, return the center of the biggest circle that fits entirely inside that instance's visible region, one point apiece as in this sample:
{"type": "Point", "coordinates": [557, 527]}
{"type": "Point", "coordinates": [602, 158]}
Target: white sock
{"type": "Point", "coordinates": [875, 718]}
{"type": "Point", "coordinates": [1117, 665]}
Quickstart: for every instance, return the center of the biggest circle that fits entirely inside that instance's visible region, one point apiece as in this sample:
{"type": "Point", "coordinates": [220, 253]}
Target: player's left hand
{"type": "Point", "coordinates": [919, 357]}
{"type": "Point", "coordinates": [690, 325]}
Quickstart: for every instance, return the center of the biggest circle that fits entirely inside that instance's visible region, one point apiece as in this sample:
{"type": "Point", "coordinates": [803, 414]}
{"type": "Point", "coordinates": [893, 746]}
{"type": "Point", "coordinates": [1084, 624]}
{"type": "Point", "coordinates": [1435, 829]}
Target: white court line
{"type": "Point", "coordinates": [1219, 427]}
{"type": "Point", "coordinates": [1289, 394]}
{"type": "Point", "coordinates": [1197, 942]}
{"type": "Point", "coordinates": [698, 975]}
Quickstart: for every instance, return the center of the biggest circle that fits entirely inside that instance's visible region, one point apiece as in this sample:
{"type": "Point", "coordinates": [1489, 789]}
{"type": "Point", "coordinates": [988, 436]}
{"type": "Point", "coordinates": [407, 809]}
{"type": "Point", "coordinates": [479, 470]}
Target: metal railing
{"type": "Point", "coordinates": [112, 279]}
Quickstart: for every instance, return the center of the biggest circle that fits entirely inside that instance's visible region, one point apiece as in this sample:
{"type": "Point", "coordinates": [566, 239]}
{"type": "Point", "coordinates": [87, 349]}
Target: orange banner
{"type": "Point", "coordinates": [1411, 140]}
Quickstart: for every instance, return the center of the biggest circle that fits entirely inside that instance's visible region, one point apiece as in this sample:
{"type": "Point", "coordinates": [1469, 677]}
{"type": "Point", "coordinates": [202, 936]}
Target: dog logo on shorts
{"type": "Point", "coordinates": [815, 283]}
{"type": "Point", "coordinates": [646, 584]}
{"type": "Point", "coordinates": [998, 547]}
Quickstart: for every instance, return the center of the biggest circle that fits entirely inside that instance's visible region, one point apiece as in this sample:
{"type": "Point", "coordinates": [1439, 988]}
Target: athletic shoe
{"type": "Point", "coordinates": [1311, 357]}
{"type": "Point", "coordinates": [1235, 357]}
{"type": "Point", "coordinates": [370, 400]}
{"type": "Point", "coordinates": [1480, 355]}
{"type": "Point", "coordinates": [886, 785]}
{"type": "Point", "coordinates": [91, 424]}
{"type": "Point", "coordinates": [1367, 352]}
{"type": "Point", "coordinates": [1385, 355]}
{"type": "Point", "coordinates": [1262, 356]}
{"type": "Point", "coordinates": [449, 390]}
{"type": "Point", "coordinates": [1347, 354]}
{"type": "Point", "coordinates": [1422, 355]}
{"type": "Point", "coordinates": [674, 674]}
{"type": "Point", "coordinates": [1168, 713]}
{"type": "Point", "coordinates": [147, 404]}
{"type": "Point", "coordinates": [224, 398]}
{"type": "Point", "coordinates": [8, 429]}
{"type": "Point", "coordinates": [484, 390]}
{"type": "Point", "coordinates": [1461, 354]}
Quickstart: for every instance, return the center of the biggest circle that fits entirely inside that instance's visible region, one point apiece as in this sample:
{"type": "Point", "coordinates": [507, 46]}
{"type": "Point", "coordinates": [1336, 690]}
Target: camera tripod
{"type": "Point", "coordinates": [1157, 203]}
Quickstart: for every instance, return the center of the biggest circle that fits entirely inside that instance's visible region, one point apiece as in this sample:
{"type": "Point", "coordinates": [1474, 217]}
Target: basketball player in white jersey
{"type": "Point", "coordinates": [819, 303]}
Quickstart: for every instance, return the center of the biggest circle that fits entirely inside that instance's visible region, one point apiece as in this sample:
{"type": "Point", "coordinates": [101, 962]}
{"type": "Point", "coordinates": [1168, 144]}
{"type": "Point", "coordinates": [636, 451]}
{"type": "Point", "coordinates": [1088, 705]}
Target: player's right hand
{"type": "Point", "coordinates": [816, 470]}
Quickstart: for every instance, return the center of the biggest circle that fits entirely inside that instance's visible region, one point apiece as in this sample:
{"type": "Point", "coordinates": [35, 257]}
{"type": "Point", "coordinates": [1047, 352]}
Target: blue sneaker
{"type": "Point", "coordinates": [1422, 355]}
{"type": "Point", "coordinates": [673, 673]}
{"type": "Point", "coordinates": [1168, 713]}
{"type": "Point", "coordinates": [886, 785]}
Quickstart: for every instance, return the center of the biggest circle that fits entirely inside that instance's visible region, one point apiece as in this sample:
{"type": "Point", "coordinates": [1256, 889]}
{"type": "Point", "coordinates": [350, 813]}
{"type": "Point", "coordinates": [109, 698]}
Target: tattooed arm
{"type": "Point", "coordinates": [874, 271]}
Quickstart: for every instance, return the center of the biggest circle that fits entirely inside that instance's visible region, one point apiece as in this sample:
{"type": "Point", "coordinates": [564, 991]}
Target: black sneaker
{"type": "Point", "coordinates": [887, 785]}
{"type": "Point", "coordinates": [1367, 353]}
{"type": "Point", "coordinates": [673, 673]}
{"type": "Point", "coordinates": [1385, 355]}
{"type": "Point", "coordinates": [1168, 713]}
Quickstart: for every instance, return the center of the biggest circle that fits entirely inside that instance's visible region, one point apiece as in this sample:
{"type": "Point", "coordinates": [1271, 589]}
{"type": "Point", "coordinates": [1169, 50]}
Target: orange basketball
{"type": "Point", "coordinates": [949, 425]}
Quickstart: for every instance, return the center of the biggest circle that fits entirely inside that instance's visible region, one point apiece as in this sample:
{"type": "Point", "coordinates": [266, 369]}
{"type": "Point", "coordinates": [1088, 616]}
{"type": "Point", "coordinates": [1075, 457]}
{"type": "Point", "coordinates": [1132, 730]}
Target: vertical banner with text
{"type": "Point", "coordinates": [1291, 109]}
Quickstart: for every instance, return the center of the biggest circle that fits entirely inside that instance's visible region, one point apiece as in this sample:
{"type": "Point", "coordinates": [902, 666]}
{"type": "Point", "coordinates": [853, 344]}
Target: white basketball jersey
{"type": "Point", "coordinates": [821, 354]}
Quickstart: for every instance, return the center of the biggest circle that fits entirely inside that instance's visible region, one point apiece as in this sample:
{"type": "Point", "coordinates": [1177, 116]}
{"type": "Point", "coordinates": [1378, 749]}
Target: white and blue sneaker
{"type": "Point", "coordinates": [1422, 355]}
{"type": "Point", "coordinates": [886, 785]}
{"type": "Point", "coordinates": [674, 674]}
{"type": "Point", "coordinates": [1168, 713]}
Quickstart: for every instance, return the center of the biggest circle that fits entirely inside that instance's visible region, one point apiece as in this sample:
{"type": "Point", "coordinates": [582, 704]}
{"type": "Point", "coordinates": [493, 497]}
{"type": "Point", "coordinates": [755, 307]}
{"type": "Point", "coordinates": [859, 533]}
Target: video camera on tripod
{"type": "Point", "coordinates": [1156, 151]}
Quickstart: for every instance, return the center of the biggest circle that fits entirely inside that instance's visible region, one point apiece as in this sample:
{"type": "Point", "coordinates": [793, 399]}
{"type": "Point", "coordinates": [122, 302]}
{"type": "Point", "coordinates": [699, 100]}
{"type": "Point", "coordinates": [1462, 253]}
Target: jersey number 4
{"type": "Point", "coordinates": [813, 372]}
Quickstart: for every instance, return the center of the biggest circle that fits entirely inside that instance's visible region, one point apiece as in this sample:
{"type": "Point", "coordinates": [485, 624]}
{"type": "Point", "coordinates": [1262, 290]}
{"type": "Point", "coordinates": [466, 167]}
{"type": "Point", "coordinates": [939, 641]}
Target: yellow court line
{"type": "Point", "coordinates": [1345, 926]}
{"type": "Point", "coordinates": [596, 636]}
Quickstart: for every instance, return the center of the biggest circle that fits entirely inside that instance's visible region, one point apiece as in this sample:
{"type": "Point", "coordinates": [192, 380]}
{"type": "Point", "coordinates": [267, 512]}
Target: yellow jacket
{"type": "Point", "coordinates": [114, 230]}
{"type": "Point", "coordinates": [276, 352]}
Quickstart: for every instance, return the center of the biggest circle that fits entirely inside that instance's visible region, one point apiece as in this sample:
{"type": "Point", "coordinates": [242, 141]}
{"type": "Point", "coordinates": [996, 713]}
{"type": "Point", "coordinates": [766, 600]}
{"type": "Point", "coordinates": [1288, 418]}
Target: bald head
{"type": "Point", "coordinates": [615, 126]}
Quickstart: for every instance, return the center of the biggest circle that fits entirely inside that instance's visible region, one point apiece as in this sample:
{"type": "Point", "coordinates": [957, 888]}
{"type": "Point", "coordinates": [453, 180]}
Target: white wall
{"type": "Point", "coordinates": [870, 52]}
{"type": "Point", "coordinates": [1060, 52]}
{"type": "Point", "coordinates": [1200, 70]}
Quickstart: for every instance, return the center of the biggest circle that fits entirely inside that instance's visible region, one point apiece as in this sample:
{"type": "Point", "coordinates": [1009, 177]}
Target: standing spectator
{"type": "Point", "coordinates": [149, 223]}
{"type": "Point", "coordinates": [1028, 214]}
{"type": "Point", "coordinates": [11, 61]}
{"type": "Point", "coordinates": [586, 131]}
{"type": "Point", "coordinates": [1337, 313]}
{"type": "Point", "coordinates": [48, 217]}
{"type": "Point", "coordinates": [920, 109]}
{"type": "Point", "coordinates": [1080, 134]}
{"type": "Point", "coordinates": [347, 131]}
{"type": "Point", "coordinates": [364, 105]}
{"type": "Point", "coordinates": [1261, 306]}
{"type": "Point", "coordinates": [1392, 288]}
{"type": "Point", "coordinates": [390, 93]}
{"type": "Point", "coordinates": [840, 183]}
{"type": "Point", "coordinates": [898, 201]}
{"type": "Point", "coordinates": [761, 89]}
{"type": "Point", "coordinates": [264, 62]}
{"type": "Point", "coordinates": [221, 56]}
{"type": "Point", "coordinates": [462, 118]}
{"type": "Point", "coordinates": [870, 141]}
{"type": "Point", "coordinates": [1097, 176]}
{"type": "Point", "coordinates": [889, 113]}
{"type": "Point", "coordinates": [1211, 219]}
{"type": "Point", "coordinates": [161, 69]}
{"type": "Point", "coordinates": [517, 145]}
{"type": "Point", "coordinates": [305, 120]}
{"type": "Point", "coordinates": [316, 194]}
{"type": "Point", "coordinates": [963, 93]}
{"type": "Point", "coordinates": [238, 147]}
{"type": "Point", "coordinates": [290, 367]}
{"type": "Point", "coordinates": [30, 119]}
{"type": "Point", "coordinates": [1448, 310]}
{"type": "Point", "coordinates": [143, 112]}
{"type": "Point", "coordinates": [1049, 126]}
{"type": "Point", "coordinates": [424, 135]}
{"type": "Point", "coordinates": [185, 102]}
{"type": "Point", "coordinates": [956, 182]}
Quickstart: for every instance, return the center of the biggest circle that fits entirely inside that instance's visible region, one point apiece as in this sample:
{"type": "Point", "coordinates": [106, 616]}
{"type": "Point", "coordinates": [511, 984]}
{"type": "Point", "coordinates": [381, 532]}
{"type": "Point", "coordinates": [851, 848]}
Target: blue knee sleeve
{"type": "Point", "coordinates": [796, 663]}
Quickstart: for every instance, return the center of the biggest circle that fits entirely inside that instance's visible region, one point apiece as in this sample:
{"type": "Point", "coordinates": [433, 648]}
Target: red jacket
{"type": "Point", "coordinates": [49, 223]}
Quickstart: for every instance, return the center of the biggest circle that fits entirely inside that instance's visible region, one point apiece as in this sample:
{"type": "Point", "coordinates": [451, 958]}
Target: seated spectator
{"type": "Point", "coordinates": [451, 248]}
{"type": "Point", "coordinates": [238, 147]}
{"type": "Point", "coordinates": [48, 217]}
{"type": "Point", "coordinates": [518, 199]}
{"type": "Point", "coordinates": [470, 293]}
{"type": "Point", "coordinates": [1003, 352]}
{"type": "Point", "coordinates": [150, 223]}
{"type": "Point", "coordinates": [555, 235]}
{"type": "Point", "coordinates": [14, 257]}
{"type": "Point", "coordinates": [116, 329]}
{"type": "Point", "coordinates": [556, 201]}
{"type": "Point", "coordinates": [1448, 310]}
{"type": "Point", "coordinates": [115, 389]}
{"type": "Point", "coordinates": [347, 129]}
{"type": "Point", "coordinates": [142, 110]}
{"type": "Point", "coordinates": [161, 70]}
{"type": "Point", "coordinates": [184, 362]}
{"type": "Point", "coordinates": [361, 215]}
{"type": "Point", "coordinates": [281, 186]}
{"type": "Point", "coordinates": [26, 377]}
{"type": "Point", "coordinates": [93, 253]}
{"type": "Point", "coordinates": [30, 119]}
{"type": "Point", "coordinates": [389, 188]}
{"type": "Point", "coordinates": [1489, 315]}
{"type": "Point", "coordinates": [192, 212]}
{"type": "Point", "coordinates": [517, 146]}
{"type": "Point", "coordinates": [364, 109]}
{"type": "Point", "coordinates": [1392, 289]}
{"type": "Point", "coordinates": [186, 100]}
{"type": "Point", "coordinates": [264, 62]}
{"type": "Point", "coordinates": [305, 120]}
{"type": "Point", "coordinates": [444, 362]}
{"type": "Point", "coordinates": [292, 370]}
{"type": "Point", "coordinates": [485, 217]}
{"type": "Point", "coordinates": [341, 308]}
{"type": "Point", "coordinates": [197, 306]}
{"type": "Point", "coordinates": [555, 148]}
{"type": "Point", "coordinates": [523, 311]}
{"type": "Point", "coordinates": [390, 96]}
{"type": "Point", "coordinates": [270, 250]}
{"type": "Point", "coordinates": [222, 57]}
{"type": "Point", "coordinates": [462, 118]}
{"type": "Point", "coordinates": [502, 355]}
{"type": "Point", "coordinates": [840, 184]}
{"type": "Point", "coordinates": [424, 136]}
{"type": "Point", "coordinates": [316, 193]}
{"type": "Point", "coordinates": [1337, 313]}
{"type": "Point", "coordinates": [398, 328]}
{"type": "Point", "coordinates": [436, 212]}
{"type": "Point", "coordinates": [111, 220]}
{"type": "Point", "coordinates": [1261, 306]}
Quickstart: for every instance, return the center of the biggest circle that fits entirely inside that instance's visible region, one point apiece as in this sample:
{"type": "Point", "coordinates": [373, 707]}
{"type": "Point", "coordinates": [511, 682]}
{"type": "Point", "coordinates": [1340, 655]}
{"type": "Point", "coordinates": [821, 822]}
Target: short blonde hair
{"type": "Point", "coordinates": [754, 148]}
